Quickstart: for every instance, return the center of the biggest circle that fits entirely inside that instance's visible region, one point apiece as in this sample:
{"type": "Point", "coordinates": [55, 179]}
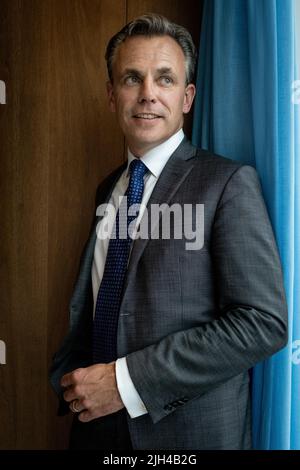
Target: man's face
{"type": "Point", "coordinates": [148, 92]}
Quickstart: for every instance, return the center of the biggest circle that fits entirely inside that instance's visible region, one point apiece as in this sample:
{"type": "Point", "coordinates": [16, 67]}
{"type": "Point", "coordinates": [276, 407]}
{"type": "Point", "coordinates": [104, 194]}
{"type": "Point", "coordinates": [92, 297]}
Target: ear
{"type": "Point", "coordinates": [189, 96]}
{"type": "Point", "coordinates": [111, 96]}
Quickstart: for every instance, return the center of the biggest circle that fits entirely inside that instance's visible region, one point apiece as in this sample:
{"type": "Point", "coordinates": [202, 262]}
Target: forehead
{"type": "Point", "coordinates": [142, 52]}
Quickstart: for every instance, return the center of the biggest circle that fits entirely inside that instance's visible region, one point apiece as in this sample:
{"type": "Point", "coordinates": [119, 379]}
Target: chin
{"type": "Point", "coordinates": [150, 136]}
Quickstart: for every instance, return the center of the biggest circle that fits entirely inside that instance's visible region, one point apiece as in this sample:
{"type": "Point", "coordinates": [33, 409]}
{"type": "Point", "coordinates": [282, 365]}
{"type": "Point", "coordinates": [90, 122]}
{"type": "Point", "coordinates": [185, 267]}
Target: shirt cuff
{"type": "Point", "coordinates": [127, 390]}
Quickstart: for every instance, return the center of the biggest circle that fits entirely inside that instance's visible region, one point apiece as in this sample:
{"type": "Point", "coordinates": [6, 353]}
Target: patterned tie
{"type": "Point", "coordinates": [110, 291]}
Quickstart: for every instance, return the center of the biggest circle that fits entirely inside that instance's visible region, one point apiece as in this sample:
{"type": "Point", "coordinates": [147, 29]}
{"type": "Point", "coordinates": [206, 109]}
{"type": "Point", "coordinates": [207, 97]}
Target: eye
{"type": "Point", "coordinates": [132, 80]}
{"type": "Point", "coordinates": [166, 80]}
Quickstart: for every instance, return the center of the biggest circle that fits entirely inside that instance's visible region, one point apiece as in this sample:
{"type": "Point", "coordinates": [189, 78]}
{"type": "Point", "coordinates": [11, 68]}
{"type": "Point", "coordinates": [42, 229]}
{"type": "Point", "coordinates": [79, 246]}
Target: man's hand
{"type": "Point", "coordinates": [95, 390]}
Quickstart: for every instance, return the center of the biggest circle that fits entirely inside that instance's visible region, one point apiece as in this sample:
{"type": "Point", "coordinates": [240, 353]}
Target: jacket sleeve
{"type": "Point", "coordinates": [251, 320]}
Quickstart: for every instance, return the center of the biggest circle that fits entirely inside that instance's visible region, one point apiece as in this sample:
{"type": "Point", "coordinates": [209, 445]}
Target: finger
{"type": "Point", "coordinates": [73, 378]}
{"type": "Point", "coordinates": [70, 395]}
{"type": "Point", "coordinates": [75, 392]}
{"type": "Point", "coordinates": [86, 416]}
{"type": "Point", "coordinates": [67, 380]}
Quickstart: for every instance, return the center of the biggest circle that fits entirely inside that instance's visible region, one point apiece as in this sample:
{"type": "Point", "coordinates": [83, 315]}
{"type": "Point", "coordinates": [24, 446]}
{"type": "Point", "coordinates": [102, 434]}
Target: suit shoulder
{"type": "Point", "coordinates": [205, 156]}
{"type": "Point", "coordinates": [217, 170]}
{"type": "Point", "coordinates": [219, 164]}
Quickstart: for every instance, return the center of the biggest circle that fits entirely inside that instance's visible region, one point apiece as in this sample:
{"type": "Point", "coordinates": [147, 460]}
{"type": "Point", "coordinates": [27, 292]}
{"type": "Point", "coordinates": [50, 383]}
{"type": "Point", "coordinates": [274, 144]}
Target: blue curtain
{"type": "Point", "coordinates": [247, 108]}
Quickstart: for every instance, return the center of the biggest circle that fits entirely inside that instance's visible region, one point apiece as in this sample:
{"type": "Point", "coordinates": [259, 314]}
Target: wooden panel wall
{"type": "Point", "coordinates": [57, 141]}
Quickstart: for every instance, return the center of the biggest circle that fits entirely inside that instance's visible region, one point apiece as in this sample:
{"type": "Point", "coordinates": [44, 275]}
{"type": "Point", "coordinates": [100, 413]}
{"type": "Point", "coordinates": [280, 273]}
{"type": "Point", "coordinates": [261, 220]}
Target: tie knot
{"type": "Point", "coordinates": [137, 169]}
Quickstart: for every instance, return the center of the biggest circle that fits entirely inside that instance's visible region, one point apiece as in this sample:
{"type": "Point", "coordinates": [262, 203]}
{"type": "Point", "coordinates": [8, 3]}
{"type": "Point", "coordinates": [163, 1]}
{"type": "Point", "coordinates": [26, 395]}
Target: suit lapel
{"type": "Point", "coordinates": [174, 173]}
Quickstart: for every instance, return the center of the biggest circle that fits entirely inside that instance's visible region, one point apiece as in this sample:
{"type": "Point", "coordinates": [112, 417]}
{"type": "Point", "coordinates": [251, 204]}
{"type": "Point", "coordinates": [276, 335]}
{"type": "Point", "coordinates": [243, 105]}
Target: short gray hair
{"type": "Point", "coordinates": [151, 25]}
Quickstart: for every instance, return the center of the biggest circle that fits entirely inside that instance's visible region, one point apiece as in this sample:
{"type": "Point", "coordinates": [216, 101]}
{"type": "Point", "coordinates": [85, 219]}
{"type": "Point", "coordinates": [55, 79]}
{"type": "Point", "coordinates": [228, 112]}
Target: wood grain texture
{"type": "Point", "coordinates": [58, 140]}
{"type": "Point", "coordinates": [24, 203]}
{"type": "Point", "coordinates": [85, 144]}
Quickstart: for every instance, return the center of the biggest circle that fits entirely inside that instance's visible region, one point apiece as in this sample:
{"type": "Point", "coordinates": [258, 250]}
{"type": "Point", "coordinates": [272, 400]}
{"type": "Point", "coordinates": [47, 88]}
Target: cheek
{"type": "Point", "coordinates": [124, 104]}
{"type": "Point", "coordinates": [174, 103]}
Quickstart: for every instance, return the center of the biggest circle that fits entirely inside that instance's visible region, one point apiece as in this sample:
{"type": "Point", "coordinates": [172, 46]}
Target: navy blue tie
{"type": "Point", "coordinates": [110, 291]}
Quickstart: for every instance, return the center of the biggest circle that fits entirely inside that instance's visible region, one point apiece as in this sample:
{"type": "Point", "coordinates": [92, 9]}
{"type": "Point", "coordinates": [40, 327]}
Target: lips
{"type": "Point", "coordinates": [146, 116]}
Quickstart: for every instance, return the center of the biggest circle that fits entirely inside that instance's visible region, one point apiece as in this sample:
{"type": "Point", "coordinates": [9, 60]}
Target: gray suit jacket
{"type": "Point", "coordinates": [192, 323]}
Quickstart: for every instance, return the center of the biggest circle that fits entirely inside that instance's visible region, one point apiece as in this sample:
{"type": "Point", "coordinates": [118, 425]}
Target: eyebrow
{"type": "Point", "coordinates": [131, 72]}
{"type": "Point", "coordinates": [162, 70]}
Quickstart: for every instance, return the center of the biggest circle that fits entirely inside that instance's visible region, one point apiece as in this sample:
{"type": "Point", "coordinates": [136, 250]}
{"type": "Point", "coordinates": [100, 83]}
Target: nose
{"type": "Point", "coordinates": [147, 91]}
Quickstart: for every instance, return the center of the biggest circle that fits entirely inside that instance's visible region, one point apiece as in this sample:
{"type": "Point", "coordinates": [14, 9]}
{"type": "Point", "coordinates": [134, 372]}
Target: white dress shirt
{"type": "Point", "coordinates": [155, 160]}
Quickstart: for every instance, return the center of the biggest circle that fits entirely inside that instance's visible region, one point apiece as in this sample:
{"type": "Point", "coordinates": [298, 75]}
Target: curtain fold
{"type": "Point", "coordinates": [247, 109]}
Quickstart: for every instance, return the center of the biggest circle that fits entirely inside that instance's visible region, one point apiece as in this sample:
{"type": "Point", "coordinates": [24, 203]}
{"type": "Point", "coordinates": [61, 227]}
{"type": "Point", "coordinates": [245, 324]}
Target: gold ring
{"type": "Point", "coordinates": [74, 407]}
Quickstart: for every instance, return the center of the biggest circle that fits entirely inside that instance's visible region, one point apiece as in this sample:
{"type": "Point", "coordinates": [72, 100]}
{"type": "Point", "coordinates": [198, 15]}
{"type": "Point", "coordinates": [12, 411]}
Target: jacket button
{"type": "Point", "coordinates": [179, 402]}
{"type": "Point", "coordinates": [168, 407]}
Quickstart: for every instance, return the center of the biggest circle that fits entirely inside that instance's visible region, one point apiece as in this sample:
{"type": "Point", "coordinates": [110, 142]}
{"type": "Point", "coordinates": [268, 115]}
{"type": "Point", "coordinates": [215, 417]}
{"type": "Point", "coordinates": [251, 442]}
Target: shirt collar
{"type": "Point", "coordinates": [156, 158]}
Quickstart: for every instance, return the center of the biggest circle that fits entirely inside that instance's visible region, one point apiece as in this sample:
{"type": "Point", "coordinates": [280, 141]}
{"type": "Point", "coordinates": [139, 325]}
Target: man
{"type": "Point", "coordinates": [162, 337]}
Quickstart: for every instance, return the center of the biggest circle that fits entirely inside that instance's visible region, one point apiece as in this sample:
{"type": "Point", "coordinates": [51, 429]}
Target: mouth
{"type": "Point", "coordinates": [148, 116]}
